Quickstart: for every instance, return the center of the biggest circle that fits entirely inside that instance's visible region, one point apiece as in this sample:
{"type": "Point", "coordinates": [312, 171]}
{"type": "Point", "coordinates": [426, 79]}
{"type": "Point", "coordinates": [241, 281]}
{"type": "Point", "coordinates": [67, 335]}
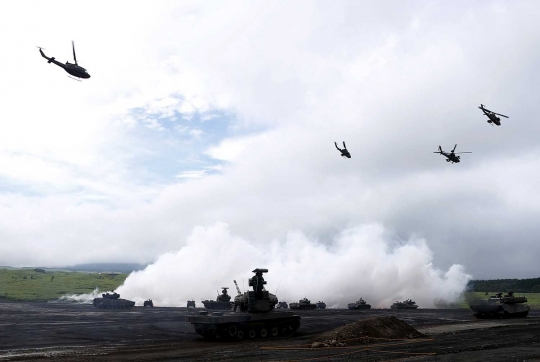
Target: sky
{"type": "Point", "coordinates": [211, 124]}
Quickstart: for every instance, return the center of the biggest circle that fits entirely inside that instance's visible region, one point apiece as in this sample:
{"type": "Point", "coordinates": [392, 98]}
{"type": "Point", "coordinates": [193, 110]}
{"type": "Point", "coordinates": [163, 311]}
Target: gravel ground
{"type": "Point", "coordinates": [69, 332]}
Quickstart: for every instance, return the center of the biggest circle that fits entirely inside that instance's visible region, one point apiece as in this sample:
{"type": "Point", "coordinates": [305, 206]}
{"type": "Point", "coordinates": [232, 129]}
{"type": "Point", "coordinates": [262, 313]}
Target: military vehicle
{"type": "Point", "coordinates": [321, 305]}
{"type": "Point", "coordinates": [492, 116]}
{"type": "Point", "coordinates": [191, 303]}
{"type": "Point", "coordinates": [359, 304]}
{"type": "Point", "coordinates": [282, 305]}
{"type": "Point", "coordinates": [303, 304]}
{"type": "Point", "coordinates": [253, 316]}
{"type": "Point", "coordinates": [222, 302]}
{"type": "Point", "coordinates": [112, 301]}
{"type": "Point", "coordinates": [344, 151]}
{"type": "Point", "coordinates": [148, 303]}
{"type": "Point", "coordinates": [406, 304]}
{"type": "Point", "coordinates": [451, 156]}
{"type": "Point", "coordinates": [74, 69]}
{"type": "Point", "coordinates": [499, 306]}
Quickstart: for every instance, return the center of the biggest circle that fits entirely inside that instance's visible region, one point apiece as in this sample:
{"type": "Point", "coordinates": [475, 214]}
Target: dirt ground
{"type": "Point", "coordinates": [68, 332]}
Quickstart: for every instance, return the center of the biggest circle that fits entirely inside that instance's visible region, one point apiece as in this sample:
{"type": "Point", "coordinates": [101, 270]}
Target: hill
{"type": "Point", "coordinates": [42, 285]}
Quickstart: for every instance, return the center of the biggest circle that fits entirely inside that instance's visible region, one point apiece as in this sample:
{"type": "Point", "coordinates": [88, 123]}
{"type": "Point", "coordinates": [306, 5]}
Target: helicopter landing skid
{"type": "Point", "coordinates": [78, 80]}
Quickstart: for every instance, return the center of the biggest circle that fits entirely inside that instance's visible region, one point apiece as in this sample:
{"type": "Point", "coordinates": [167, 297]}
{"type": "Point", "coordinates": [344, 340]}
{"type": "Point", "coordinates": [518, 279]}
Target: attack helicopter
{"type": "Point", "coordinates": [492, 116]}
{"type": "Point", "coordinates": [344, 151]}
{"type": "Point", "coordinates": [450, 156]}
{"type": "Point", "coordinates": [74, 69]}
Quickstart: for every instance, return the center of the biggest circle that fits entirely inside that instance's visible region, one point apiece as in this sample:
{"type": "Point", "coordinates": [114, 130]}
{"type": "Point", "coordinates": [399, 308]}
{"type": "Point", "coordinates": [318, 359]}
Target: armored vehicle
{"type": "Point", "coordinates": [321, 305]}
{"type": "Point", "coordinates": [191, 303]}
{"type": "Point", "coordinates": [406, 304]}
{"type": "Point", "coordinates": [282, 305]}
{"type": "Point", "coordinates": [303, 304]}
{"type": "Point", "coordinates": [112, 301]}
{"type": "Point", "coordinates": [253, 316]}
{"type": "Point", "coordinates": [499, 306]}
{"type": "Point", "coordinates": [148, 303]}
{"type": "Point", "coordinates": [359, 304]}
{"type": "Point", "coordinates": [222, 302]}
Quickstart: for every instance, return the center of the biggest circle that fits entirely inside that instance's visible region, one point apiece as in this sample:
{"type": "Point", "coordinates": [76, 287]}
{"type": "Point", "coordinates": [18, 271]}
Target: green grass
{"type": "Point", "coordinates": [533, 299]}
{"type": "Point", "coordinates": [13, 286]}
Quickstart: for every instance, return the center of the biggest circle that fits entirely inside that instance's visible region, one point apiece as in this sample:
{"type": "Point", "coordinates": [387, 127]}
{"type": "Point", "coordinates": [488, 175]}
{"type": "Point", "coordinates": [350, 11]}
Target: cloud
{"type": "Point", "coordinates": [262, 91]}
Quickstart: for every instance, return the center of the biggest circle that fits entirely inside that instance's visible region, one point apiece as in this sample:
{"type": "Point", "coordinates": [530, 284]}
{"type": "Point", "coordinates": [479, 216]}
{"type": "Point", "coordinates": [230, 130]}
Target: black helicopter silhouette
{"type": "Point", "coordinates": [74, 69]}
{"type": "Point", "coordinates": [344, 151]}
{"type": "Point", "coordinates": [492, 116]}
{"type": "Point", "coordinates": [450, 156]}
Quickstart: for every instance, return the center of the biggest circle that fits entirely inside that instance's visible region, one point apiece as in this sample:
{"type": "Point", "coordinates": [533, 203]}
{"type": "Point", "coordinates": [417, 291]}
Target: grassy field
{"type": "Point", "coordinates": [41, 287]}
{"type": "Point", "coordinates": [533, 299]}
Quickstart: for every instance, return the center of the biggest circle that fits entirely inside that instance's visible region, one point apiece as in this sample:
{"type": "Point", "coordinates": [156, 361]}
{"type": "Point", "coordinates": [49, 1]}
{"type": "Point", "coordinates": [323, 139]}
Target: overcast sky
{"type": "Point", "coordinates": [205, 116]}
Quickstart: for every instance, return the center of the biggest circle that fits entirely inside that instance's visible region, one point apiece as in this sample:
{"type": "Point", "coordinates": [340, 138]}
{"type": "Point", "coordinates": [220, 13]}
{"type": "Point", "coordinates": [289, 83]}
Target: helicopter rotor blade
{"type": "Point", "coordinates": [454, 148]}
{"type": "Point", "coordinates": [502, 115]}
{"type": "Point", "coordinates": [37, 46]}
{"type": "Point", "coordinates": [74, 57]}
{"type": "Point", "coordinates": [457, 153]}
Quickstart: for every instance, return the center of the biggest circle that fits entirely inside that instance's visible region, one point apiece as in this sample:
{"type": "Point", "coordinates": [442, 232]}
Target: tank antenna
{"type": "Point", "coordinates": [279, 285]}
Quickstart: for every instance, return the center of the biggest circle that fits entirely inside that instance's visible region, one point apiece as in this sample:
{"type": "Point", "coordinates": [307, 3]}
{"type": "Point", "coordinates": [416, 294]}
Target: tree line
{"type": "Point", "coordinates": [504, 285]}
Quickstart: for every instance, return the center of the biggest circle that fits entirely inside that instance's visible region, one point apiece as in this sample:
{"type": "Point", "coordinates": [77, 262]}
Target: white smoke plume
{"type": "Point", "coordinates": [87, 298]}
{"type": "Point", "coordinates": [359, 262]}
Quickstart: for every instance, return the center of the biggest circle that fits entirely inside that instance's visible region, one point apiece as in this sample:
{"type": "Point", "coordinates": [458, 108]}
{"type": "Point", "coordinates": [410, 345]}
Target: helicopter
{"type": "Point", "coordinates": [344, 151]}
{"type": "Point", "coordinates": [492, 116]}
{"type": "Point", "coordinates": [74, 69]}
{"type": "Point", "coordinates": [450, 157]}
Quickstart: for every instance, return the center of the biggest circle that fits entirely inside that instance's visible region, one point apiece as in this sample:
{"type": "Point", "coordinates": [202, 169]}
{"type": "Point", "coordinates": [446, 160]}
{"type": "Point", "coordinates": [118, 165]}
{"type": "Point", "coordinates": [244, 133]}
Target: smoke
{"type": "Point", "coordinates": [359, 262]}
{"type": "Point", "coordinates": [87, 298]}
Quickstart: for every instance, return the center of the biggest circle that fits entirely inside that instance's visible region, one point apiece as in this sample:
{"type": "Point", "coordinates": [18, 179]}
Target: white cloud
{"type": "Point", "coordinates": [83, 176]}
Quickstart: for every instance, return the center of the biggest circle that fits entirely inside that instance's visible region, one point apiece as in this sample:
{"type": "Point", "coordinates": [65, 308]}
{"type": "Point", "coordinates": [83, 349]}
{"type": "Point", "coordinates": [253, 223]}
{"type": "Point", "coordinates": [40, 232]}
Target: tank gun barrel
{"type": "Point", "coordinates": [237, 289]}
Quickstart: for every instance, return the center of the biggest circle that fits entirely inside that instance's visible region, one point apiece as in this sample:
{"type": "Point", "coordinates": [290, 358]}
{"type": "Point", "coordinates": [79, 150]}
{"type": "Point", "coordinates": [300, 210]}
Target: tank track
{"type": "Point", "coordinates": [250, 330]}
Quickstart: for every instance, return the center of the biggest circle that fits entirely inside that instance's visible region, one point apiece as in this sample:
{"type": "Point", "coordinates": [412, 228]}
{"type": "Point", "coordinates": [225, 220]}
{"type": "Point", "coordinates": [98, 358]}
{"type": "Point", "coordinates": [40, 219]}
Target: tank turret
{"type": "Point", "coordinates": [253, 317]}
{"type": "Point", "coordinates": [222, 302]}
{"type": "Point", "coordinates": [148, 303]}
{"type": "Point", "coordinates": [191, 303]}
{"type": "Point", "coordinates": [321, 305]}
{"type": "Point", "coordinates": [499, 306]}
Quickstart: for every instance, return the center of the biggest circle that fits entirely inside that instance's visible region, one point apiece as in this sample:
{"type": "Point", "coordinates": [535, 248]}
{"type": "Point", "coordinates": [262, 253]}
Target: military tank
{"type": "Point", "coordinates": [148, 303]}
{"type": "Point", "coordinates": [222, 302]}
{"type": "Point", "coordinates": [359, 304]}
{"type": "Point", "coordinates": [303, 304]}
{"type": "Point", "coordinates": [406, 304]}
{"type": "Point", "coordinates": [282, 305]}
{"type": "Point", "coordinates": [112, 301]}
{"type": "Point", "coordinates": [253, 316]}
{"type": "Point", "coordinates": [499, 306]}
{"type": "Point", "coordinates": [321, 305]}
{"type": "Point", "coordinates": [191, 303]}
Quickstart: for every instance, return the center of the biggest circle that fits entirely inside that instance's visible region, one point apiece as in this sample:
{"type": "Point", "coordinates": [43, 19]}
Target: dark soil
{"type": "Point", "coordinates": [378, 328]}
{"type": "Point", "coordinates": [67, 332]}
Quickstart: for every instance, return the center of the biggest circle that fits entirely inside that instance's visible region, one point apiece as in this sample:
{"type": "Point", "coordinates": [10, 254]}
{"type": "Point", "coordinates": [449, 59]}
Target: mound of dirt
{"type": "Point", "coordinates": [380, 327]}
